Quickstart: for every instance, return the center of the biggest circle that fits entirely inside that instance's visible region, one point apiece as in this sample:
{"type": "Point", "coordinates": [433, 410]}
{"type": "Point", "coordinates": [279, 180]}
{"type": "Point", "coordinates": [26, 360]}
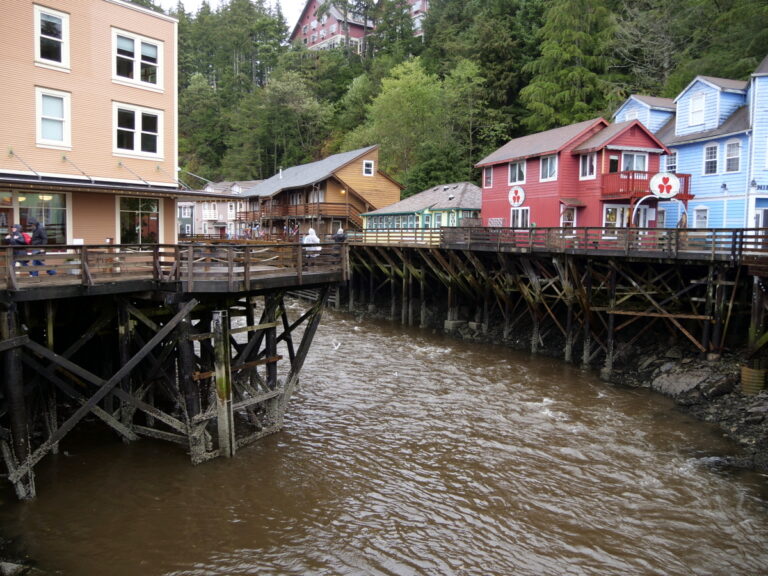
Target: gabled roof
{"type": "Point", "coordinates": [722, 84]}
{"type": "Point", "coordinates": [455, 196]}
{"type": "Point", "coordinates": [762, 68]}
{"type": "Point", "coordinates": [352, 17]}
{"type": "Point", "coordinates": [736, 123]}
{"type": "Point", "coordinates": [227, 186]}
{"type": "Point", "coordinates": [540, 144]}
{"type": "Point", "coordinates": [611, 132]}
{"type": "Point", "coordinates": [655, 102]}
{"type": "Point", "coordinates": [305, 174]}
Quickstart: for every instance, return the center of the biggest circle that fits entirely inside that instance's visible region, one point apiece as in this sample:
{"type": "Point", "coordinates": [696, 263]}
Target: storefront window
{"type": "Point", "coordinates": [139, 220]}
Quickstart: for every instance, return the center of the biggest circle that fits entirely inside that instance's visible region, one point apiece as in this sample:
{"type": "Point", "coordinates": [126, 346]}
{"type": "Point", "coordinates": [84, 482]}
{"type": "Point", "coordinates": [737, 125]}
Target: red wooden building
{"type": "Point", "coordinates": [588, 174]}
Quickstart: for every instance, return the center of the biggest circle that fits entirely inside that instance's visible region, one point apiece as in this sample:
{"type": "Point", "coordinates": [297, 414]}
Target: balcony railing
{"type": "Point", "coordinates": [635, 184]}
{"type": "Point", "coordinates": [308, 210]}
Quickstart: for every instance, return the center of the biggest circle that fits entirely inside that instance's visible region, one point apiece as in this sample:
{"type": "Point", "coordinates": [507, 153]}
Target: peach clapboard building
{"type": "Point", "coordinates": [88, 139]}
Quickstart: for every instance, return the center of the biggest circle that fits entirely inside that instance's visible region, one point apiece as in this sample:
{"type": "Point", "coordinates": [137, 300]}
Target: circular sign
{"type": "Point", "coordinates": [516, 196]}
{"type": "Point", "coordinates": [665, 185]}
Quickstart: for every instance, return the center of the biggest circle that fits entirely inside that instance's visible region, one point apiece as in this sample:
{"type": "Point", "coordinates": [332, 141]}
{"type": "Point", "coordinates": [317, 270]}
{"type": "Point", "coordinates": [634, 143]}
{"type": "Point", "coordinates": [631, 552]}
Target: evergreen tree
{"type": "Point", "coordinates": [570, 81]}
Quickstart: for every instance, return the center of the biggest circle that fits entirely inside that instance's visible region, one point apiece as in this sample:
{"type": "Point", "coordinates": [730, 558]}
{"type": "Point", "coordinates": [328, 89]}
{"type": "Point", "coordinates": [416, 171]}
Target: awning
{"type": "Point", "coordinates": [572, 202]}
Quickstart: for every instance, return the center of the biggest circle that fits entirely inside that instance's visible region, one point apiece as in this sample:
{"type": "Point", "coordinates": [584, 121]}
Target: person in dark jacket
{"type": "Point", "coordinates": [39, 238]}
{"type": "Point", "coordinates": [16, 238]}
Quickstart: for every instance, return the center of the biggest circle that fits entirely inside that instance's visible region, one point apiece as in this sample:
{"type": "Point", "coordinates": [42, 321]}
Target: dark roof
{"type": "Point", "coordinates": [610, 132]}
{"type": "Point", "coordinates": [720, 83]}
{"type": "Point", "coordinates": [539, 144]}
{"type": "Point", "coordinates": [305, 174]}
{"type": "Point", "coordinates": [762, 68]}
{"type": "Point", "coordinates": [656, 102]}
{"type": "Point", "coordinates": [736, 123]}
{"type": "Point", "coordinates": [226, 186]}
{"type": "Point", "coordinates": [458, 195]}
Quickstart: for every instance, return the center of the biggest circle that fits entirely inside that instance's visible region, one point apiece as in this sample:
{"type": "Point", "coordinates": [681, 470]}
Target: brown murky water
{"type": "Point", "coordinates": [407, 453]}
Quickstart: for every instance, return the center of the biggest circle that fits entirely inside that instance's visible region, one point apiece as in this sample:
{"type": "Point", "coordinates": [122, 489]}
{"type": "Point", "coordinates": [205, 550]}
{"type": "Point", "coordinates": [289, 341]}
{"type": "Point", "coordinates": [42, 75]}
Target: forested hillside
{"type": "Point", "coordinates": [485, 71]}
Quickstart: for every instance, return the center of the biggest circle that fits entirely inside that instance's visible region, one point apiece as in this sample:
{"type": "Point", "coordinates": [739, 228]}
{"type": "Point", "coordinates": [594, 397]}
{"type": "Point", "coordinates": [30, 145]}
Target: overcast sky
{"type": "Point", "coordinates": [291, 8]}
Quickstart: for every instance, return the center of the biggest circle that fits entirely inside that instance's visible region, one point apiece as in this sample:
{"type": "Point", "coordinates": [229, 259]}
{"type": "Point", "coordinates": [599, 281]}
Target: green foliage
{"type": "Point", "coordinates": [484, 71]}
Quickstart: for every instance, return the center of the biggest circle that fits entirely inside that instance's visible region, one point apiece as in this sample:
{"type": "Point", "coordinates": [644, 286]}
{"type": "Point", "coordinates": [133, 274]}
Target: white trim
{"type": "Point", "coordinates": [369, 165]}
{"type": "Point", "coordinates": [716, 159]}
{"type": "Point", "coordinates": [737, 157]}
{"type": "Point", "coordinates": [489, 170]}
{"type": "Point", "coordinates": [136, 152]}
{"type": "Point", "coordinates": [589, 156]}
{"type": "Point", "coordinates": [136, 80]}
{"type": "Point", "coordinates": [693, 211]}
{"type": "Point", "coordinates": [509, 172]}
{"type": "Point", "coordinates": [696, 107]}
{"type": "Point", "coordinates": [64, 64]}
{"type": "Point", "coordinates": [541, 168]}
{"type": "Point", "coordinates": [66, 119]}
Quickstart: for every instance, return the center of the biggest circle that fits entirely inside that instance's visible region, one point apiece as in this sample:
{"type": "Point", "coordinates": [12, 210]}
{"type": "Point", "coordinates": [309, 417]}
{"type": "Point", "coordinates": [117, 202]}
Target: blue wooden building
{"type": "Point", "coordinates": [717, 131]}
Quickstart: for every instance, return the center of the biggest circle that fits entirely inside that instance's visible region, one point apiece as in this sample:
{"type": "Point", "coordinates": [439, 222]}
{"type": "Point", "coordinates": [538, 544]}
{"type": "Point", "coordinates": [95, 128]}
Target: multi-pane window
{"type": "Point", "coordinates": [631, 161]}
{"type": "Point", "coordinates": [51, 37]}
{"type": "Point", "coordinates": [368, 168]}
{"type": "Point", "coordinates": [137, 130]}
{"type": "Point", "coordinates": [700, 217]}
{"type": "Point", "coordinates": [568, 217]}
{"type": "Point", "coordinates": [615, 216]}
{"type": "Point", "coordinates": [487, 176]}
{"type": "Point", "coordinates": [53, 118]}
{"type": "Point", "coordinates": [661, 218]}
{"type": "Point", "coordinates": [732, 156]}
{"type": "Point", "coordinates": [587, 166]}
{"type": "Point", "coordinates": [697, 109]}
{"type": "Point", "coordinates": [517, 172]}
{"type": "Point", "coordinates": [137, 59]}
{"type": "Point", "coordinates": [710, 159]}
{"type": "Point", "coordinates": [548, 167]}
{"type": "Point", "coordinates": [519, 217]}
{"type": "Point", "coordinates": [672, 161]}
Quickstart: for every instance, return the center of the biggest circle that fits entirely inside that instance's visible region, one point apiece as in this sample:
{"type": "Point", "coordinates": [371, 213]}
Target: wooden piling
{"type": "Point", "coordinates": [224, 413]}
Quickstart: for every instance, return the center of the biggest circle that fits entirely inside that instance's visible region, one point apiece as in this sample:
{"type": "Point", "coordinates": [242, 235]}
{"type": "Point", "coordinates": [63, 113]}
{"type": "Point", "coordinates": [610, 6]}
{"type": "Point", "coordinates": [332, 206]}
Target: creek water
{"type": "Point", "coordinates": [409, 453]}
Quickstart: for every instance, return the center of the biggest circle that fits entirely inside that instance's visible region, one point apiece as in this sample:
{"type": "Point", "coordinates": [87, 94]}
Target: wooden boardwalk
{"type": "Point", "coordinates": [705, 244]}
{"type": "Point", "coordinates": [76, 270]}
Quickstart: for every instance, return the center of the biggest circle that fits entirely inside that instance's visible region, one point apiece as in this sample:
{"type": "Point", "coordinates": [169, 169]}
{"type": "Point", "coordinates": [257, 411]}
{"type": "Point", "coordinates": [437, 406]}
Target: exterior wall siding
{"type": "Point", "coordinates": [378, 190]}
{"type": "Point", "coordinates": [91, 89]}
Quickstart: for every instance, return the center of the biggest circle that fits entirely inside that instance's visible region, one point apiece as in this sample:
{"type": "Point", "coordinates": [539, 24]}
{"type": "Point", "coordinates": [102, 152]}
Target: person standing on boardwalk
{"type": "Point", "coordinates": [39, 238]}
{"type": "Point", "coordinates": [16, 238]}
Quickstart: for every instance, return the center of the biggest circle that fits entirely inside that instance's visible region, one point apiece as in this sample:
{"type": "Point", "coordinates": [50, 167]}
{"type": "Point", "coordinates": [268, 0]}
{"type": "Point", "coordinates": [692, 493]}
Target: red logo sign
{"type": "Point", "coordinates": [665, 185]}
{"type": "Point", "coordinates": [516, 196]}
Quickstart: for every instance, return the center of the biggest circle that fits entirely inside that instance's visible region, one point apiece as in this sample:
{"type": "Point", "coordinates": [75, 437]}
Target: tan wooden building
{"type": "Point", "coordinates": [325, 195]}
{"type": "Point", "coordinates": [88, 140]}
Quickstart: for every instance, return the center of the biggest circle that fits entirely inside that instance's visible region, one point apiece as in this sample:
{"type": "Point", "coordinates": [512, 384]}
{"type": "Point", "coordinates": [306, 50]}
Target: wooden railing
{"type": "Point", "coordinates": [224, 265]}
{"type": "Point", "coordinates": [704, 244]}
{"type": "Point", "coordinates": [636, 184]}
{"type": "Point", "coordinates": [308, 210]}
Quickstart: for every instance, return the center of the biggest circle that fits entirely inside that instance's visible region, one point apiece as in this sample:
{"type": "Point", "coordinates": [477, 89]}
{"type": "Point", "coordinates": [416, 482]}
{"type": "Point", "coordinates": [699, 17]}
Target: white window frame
{"type": "Point", "coordinates": [622, 215]}
{"type": "Point", "coordinates": [63, 64]}
{"type": "Point", "coordinates": [66, 121]}
{"type": "Point", "coordinates": [587, 166]}
{"type": "Point", "coordinates": [670, 162]}
{"type": "Point", "coordinates": [698, 211]}
{"type": "Point", "coordinates": [136, 80]}
{"type": "Point", "coordinates": [732, 161]}
{"type": "Point", "coordinates": [549, 161]}
{"type": "Point", "coordinates": [368, 168]}
{"type": "Point", "coordinates": [709, 158]}
{"type": "Point", "coordinates": [520, 217]}
{"type": "Point", "coordinates": [488, 177]}
{"type": "Point", "coordinates": [697, 108]}
{"type": "Point", "coordinates": [138, 112]}
{"type": "Point", "coordinates": [187, 229]}
{"type": "Point", "coordinates": [631, 115]}
{"type": "Point", "coordinates": [635, 156]}
{"type": "Point", "coordinates": [572, 223]}
{"type": "Point", "coordinates": [661, 218]}
{"type": "Point", "coordinates": [518, 169]}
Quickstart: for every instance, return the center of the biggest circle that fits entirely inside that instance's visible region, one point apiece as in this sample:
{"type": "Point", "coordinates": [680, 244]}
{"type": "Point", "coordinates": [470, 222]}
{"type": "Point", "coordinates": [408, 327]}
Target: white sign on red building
{"type": "Point", "coordinates": [516, 196]}
{"type": "Point", "coordinates": [665, 185]}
